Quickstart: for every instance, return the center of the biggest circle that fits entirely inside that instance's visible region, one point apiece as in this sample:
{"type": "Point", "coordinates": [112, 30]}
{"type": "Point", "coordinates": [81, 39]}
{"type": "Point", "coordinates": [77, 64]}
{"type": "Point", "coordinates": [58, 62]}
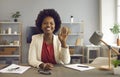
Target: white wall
{"type": "Point", "coordinates": [107, 19]}
{"type": "Point", "coordinates": [87, 10]}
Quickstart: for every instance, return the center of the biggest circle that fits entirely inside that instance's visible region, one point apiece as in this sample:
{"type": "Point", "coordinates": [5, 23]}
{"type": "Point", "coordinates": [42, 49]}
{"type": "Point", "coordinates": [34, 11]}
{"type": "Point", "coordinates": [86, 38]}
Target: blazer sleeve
{"type": "Point", "coordinates": [65, 55]}
{"type": "Point", "coordinates": [32, 57]}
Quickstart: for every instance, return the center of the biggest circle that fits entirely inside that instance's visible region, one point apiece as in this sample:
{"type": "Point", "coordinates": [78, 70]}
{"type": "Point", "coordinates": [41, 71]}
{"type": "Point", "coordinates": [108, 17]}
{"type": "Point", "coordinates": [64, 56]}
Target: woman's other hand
{"type": "Point", "coordinates": [46, 66]}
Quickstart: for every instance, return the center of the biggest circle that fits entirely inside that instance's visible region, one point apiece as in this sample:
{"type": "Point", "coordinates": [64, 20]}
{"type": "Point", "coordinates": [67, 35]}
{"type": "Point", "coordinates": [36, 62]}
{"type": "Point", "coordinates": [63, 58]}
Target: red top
{"type": "Point", "coordinates": [47, 55]}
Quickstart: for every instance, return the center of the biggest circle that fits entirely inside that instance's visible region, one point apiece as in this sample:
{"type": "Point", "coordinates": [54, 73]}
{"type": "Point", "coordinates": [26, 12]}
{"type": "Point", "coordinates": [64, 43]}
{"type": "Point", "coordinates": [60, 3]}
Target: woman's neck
{"type": "Point", "coordinates": [48, 38]}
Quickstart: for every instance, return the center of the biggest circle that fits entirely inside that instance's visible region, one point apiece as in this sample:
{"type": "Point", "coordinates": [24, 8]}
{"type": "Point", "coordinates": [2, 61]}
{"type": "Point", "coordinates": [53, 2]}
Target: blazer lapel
{"type": "Point", "coordinates": [39, 45]}
{"type": "Point", "coordinates": [55, 47]}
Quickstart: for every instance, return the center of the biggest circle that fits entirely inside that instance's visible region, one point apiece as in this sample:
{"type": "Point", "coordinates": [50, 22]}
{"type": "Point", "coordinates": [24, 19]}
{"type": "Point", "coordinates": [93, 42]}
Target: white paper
{"type": "Point", "coordinates": [80, 67]}
{"type": "Point", "coordinates": [14, 68]}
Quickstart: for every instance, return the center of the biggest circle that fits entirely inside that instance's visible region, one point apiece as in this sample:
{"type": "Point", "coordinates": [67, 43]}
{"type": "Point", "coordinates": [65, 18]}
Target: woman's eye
{"type": "Point", "coordinates": [45, 23]}
{"type": "Point", "coordinates": [51, 23]}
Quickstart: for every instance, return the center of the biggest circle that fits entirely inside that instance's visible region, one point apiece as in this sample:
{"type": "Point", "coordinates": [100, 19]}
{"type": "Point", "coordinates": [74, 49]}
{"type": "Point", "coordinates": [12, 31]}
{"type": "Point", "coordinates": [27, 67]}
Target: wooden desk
{"type": "Point", "coordinates": [60, 71]}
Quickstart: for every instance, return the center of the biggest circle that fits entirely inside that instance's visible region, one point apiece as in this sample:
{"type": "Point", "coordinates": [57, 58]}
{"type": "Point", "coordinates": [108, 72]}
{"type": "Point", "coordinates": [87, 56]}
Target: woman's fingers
{"type": "Point", "coordinates": [48, 66]}
{"type": "Point", "coordinates": [64, 30]}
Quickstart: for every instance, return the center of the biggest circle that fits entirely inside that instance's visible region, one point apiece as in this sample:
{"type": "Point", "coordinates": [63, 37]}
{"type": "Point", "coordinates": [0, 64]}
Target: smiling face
{"type": "Point", "coordinates": [48, 25]}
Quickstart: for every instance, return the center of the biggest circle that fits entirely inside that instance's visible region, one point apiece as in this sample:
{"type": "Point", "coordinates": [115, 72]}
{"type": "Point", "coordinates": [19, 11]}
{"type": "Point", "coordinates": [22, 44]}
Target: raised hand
{"type": "Point", "coordinates": [63, 34]}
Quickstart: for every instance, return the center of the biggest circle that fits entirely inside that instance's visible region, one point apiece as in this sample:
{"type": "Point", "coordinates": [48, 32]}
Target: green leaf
{"type": "Point", "coordinates": [116, 63]}
{"type": "Point", "coordinates": [115, 29]}
{"type": "Point", "coordinates": [16, 15]}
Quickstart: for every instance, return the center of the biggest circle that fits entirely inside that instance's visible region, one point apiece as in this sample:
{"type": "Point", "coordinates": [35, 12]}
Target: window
{"type": "Point", "coordinates": [118, 11]}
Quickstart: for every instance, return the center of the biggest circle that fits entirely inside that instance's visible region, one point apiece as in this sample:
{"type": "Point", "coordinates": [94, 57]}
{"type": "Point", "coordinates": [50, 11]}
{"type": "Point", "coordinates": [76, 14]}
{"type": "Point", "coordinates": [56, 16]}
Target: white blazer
{"type": "Point", "coordinates": [62, 55]}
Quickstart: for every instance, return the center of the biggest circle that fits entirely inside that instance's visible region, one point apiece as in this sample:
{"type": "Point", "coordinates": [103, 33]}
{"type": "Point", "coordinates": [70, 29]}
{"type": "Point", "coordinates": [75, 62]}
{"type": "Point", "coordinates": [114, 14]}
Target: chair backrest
{"type": "Point", "coordinates": [31, 31]}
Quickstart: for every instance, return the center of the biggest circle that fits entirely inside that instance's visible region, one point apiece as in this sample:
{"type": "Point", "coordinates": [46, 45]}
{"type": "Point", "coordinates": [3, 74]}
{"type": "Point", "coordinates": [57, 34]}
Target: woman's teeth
{"type": "Point", "coordinates": [48, 28]}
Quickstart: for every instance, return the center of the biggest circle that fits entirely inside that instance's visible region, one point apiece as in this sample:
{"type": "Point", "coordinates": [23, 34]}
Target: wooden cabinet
{"type": "Point", "coordinates": [75, 41]}
{"type": "Point", "coordinates": [92, 49]}
{"type": "Point", "coordinates": [10, 42]}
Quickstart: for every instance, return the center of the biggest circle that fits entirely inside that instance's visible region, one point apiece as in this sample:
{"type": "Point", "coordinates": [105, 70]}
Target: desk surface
{"type": "Point", "coordinates": [60, 71]}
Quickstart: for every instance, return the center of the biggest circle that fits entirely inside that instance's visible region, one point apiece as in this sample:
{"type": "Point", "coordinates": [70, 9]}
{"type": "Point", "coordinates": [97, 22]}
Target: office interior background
{"type": "Point", "coordinates": [98, 15]}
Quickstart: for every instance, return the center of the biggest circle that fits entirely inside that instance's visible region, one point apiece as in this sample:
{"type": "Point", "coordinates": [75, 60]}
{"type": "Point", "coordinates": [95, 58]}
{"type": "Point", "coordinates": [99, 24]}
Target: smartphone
{"type": "Point", "coordinates": [45, 72]}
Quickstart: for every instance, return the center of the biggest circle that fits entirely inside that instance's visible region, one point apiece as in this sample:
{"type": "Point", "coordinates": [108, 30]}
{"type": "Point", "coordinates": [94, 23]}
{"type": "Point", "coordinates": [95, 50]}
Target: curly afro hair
{"type": "Point", "coordinates": [45, 13]}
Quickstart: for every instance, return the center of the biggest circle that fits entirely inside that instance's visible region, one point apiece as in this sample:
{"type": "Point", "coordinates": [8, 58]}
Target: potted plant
{"type": "Point", "coordinates": [116, 30]}
{"type": "Point", "coordinates": [116, 69]}
{"type": "Point", "coordinates": [16, 15]}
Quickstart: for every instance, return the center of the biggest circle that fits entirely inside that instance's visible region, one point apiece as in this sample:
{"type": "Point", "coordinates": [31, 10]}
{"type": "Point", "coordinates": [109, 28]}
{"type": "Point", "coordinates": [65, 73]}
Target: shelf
{"type": "Point", "coordinates": [10, 34]}
{"type": "Point", "coordinates": [76, 55]}
{"type": "Point", "coordinates": [75, 45]}
{"type": "Point", "coordinates": [11, 41]}
{"type": "Point", "coordinates": [76, 33]}
{"type": "Point", "coordinates": [75, 40]}
{"type": "Point", "coordinates": [9, 45]}
{"type": "Point", "coordinates": [9, 55]}
{"type": "Point", "coordinates": [10, 22]}
{"type": "Point", "coordinates": [72, 23]}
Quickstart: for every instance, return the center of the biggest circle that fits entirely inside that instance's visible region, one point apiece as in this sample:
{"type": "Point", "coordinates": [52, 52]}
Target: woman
{"type": "Point", "coordinates": [47, 48]}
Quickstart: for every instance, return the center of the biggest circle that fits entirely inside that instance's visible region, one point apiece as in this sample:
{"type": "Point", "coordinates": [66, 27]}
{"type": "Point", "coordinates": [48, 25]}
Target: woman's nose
{"type": "Point", "coordinates": [48, 24]}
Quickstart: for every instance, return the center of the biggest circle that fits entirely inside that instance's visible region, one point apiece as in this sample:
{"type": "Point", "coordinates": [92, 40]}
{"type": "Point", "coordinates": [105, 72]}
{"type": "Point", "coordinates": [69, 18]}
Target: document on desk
{"type": "Point", "coordinates": [14, 68]}
{"type": "Point", "coordinates": [80, 67]}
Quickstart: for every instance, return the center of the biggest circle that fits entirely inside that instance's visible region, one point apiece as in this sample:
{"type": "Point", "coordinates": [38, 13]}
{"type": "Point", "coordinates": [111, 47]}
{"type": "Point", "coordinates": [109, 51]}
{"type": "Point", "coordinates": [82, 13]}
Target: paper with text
{"type": "Point", "coordinates": [14, 68]}
{"type": "Point", "coordinates": [80, 67]}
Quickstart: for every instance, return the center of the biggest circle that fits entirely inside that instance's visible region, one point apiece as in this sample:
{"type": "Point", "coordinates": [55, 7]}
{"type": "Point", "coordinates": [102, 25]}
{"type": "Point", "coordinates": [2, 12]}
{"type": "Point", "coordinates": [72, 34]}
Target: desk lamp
{"type": "Point", "coordinates": [96, 39]}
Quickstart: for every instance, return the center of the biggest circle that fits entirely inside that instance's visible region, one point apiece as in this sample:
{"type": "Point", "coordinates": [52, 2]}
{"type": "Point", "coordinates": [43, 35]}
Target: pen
{"type": "Point", "coordinates": [83, 66]}
{"type": "Point", "coordinates": [13, 69]}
